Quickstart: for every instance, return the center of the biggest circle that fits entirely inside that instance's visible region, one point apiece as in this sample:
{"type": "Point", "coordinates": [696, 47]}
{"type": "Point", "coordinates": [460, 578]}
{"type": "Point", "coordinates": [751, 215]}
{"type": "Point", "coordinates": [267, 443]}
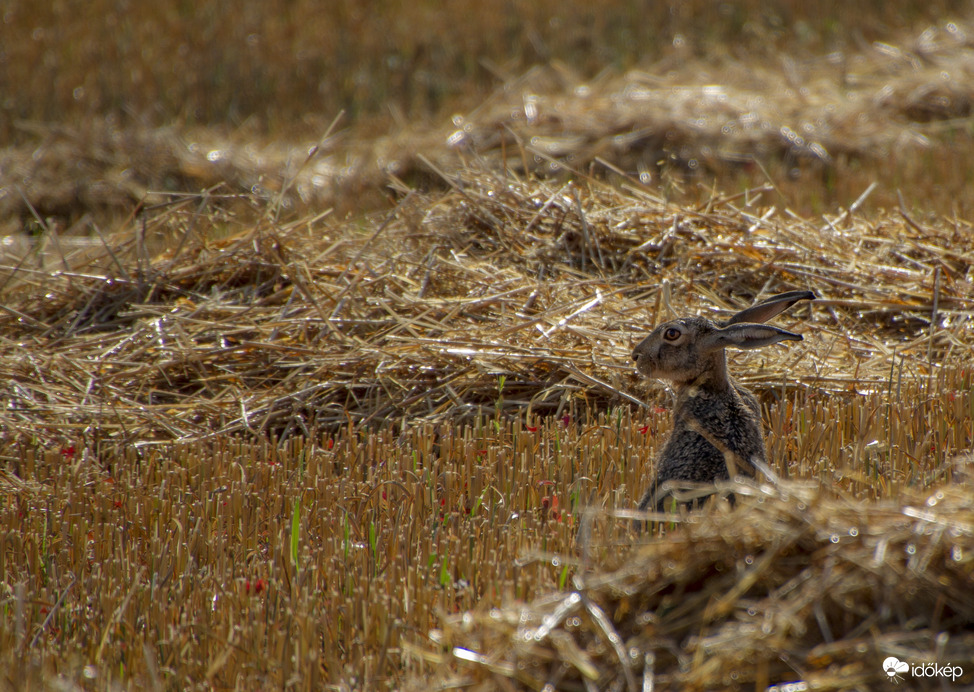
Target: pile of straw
{"type": "Point", "coordinates": [498, 294]}
{"type": "Point", "coordinates": [794, 587]}
{"type": "Point", "coordinates": [860, 105]}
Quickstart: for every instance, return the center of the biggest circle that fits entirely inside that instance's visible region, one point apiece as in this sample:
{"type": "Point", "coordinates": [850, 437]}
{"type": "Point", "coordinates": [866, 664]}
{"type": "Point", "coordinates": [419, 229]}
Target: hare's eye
{"type": "Point", "coordinates": [672, 334]}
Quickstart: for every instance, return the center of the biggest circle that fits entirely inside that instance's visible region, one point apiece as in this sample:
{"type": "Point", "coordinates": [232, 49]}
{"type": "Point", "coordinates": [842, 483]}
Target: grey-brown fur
{"type": "Point", "coordinates": [716, 422]}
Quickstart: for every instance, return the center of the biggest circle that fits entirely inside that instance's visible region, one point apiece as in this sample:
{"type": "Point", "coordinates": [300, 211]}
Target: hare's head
{"type": "Point", "coordinates": [691, 349]}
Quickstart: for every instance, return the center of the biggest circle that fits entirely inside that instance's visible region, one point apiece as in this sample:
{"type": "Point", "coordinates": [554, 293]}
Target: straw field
{"type": "Point", "coordinates": [359, 411]}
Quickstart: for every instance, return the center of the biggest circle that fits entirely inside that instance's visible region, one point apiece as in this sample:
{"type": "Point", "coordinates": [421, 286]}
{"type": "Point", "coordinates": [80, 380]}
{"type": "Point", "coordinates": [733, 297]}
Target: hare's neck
{"type": "Point", "coordinates": [713, 378]}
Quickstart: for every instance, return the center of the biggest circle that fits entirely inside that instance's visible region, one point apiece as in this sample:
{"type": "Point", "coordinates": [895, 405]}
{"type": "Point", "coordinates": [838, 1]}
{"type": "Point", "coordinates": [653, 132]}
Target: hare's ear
{"type": "Point", "coordinates": [747, 335]}
{"type": "Point", "coordinates": [765, 310]}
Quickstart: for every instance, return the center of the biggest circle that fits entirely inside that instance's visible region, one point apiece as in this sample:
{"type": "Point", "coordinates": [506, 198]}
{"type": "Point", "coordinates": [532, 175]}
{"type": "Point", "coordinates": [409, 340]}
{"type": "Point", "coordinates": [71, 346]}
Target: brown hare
{"type": "Point", "coordinates": [716, 422]}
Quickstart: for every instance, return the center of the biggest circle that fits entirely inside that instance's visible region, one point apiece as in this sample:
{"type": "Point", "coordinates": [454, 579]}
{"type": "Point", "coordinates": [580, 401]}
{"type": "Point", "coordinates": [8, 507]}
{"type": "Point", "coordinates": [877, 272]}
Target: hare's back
{"type": "Point", "coordinates": [749, 399]}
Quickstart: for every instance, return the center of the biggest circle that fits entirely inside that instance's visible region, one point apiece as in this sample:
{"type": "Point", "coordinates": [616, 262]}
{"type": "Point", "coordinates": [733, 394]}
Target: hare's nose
{"type": "Point", "coordinates": [635, 355]}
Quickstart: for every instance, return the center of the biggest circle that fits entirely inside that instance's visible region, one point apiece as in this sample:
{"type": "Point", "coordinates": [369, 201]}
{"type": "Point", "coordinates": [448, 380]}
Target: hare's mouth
{"type": "Point", "coordinates": [651, 370]}
{"type": "Point", "coordinates": [676, 377]}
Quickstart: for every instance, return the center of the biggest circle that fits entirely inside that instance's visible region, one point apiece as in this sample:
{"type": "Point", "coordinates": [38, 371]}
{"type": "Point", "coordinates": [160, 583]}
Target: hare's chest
{"type": "Point", "coordinates": [712, 425]}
